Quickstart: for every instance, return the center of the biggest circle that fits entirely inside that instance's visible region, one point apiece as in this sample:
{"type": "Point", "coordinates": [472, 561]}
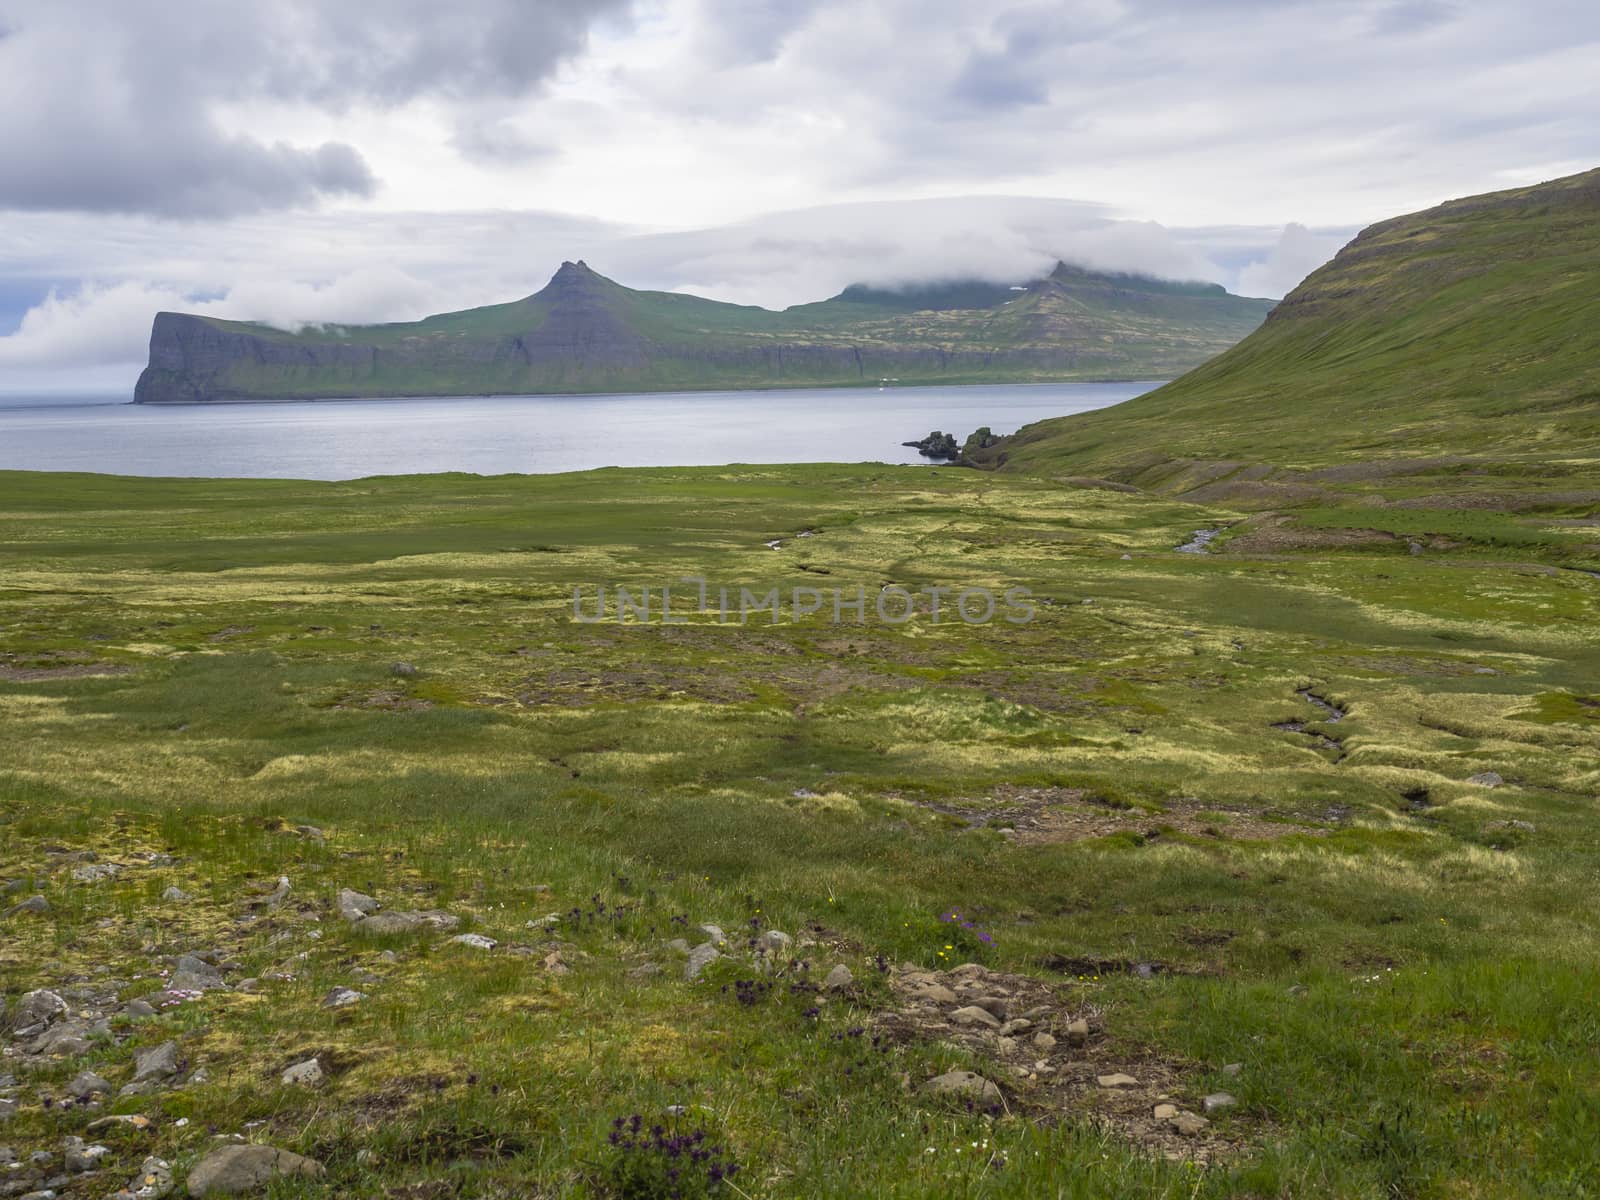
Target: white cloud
{"type": "Point", "coordinates": [1298, 253]}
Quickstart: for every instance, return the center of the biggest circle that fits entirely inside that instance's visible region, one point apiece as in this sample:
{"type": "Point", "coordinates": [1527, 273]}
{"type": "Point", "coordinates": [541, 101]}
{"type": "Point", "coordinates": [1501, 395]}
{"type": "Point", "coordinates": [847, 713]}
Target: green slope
{"type": "Point", "coordinates": [586, 333]}
{"type": "Point", "coordinates": [1469, 331]}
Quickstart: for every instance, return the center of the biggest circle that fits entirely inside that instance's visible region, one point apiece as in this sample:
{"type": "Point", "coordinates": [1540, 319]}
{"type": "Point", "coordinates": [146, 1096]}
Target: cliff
{"type": "Point", "coordinates": [585, 333]}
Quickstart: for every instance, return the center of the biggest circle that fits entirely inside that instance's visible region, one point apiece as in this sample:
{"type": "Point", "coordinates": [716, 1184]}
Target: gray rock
{"type": "Point", "coordinates": [356, 906]}
{"type": "Point", "coordinates": [140, 1010]}
{"type": "Point", "coordinates": [157, 1063]}
{"type": "Point", "coordinates": [839, 978]}
{"type": "Point", "coordinates": [973, 1017]}
{"type": "Point", "coordinates": [154, 1180]}
{"type": "Point", "coordinates": [96, 872]}
{"type": "Point", "coordinates": [476, 940]}
{"type": "Point", "coordinates": [37, 1010]}
{"type": "Point", "coordinates": [304, 1074]}
{"type": "Point", "coordinates": [403, 670]}
{"type": "Point", "coordinates": [1165, 1112]}
{"type": "Point", "coordinates": [87, 1083]}
{"type": "Point", "coordinates": [1233, 1068]}
{"type": "Point", "coordinates": [773, 941]}
{"type": "Point", "coordinates": [1078, 1032]}
{"type": "Point", "coordinates": [678, 945]}
{"type": "Point", "coordinates": [409, 922]}
{"type": "Point", "coordinates": [1188, 1124]}
{"type": "Point", "coordinates": [699, 959]}
{"type": "Point", "coordinates": [713, 934]}
{"type": "Point", "coordinates": [1044, 1042]}
{"type": "Point", "coordinates": [1116, 1081]}
{"type": "Point", "coordinates": [1012, 1028]}
{"type": "Point", "coordinates": [278, 894]}
{"type": "Point", "coordinates": [8, 1109]}
{"type": "Point", "coordinates": [81, 1158]}
{"type": "Point", "coordinates": [994, 1004]}
{"type": "Point", "coordinates": [33, 906]}
{"type": "Point", "coordinates": [1218, 1101]}
{"type": "Point", "coordinates": [192, 974]}
{"type": "Point", "coordinates": [644, 971]}
{"type": "Point", "coordinates": [963, 1083]}
{"type": "Point", "coordinates": [176, 894]}
{"type": "Point", "coordinates": [343, 997]}
{"type": "Point", "coordinates": [235, 1170]}
{"type": "Point", "coordinates": [1488, 779]}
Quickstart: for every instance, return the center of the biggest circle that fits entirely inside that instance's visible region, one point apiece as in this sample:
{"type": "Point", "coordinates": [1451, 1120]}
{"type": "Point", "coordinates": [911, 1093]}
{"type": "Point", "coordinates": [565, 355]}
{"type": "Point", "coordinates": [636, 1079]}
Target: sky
{"type": "Point", "coordinates": [304, 161]}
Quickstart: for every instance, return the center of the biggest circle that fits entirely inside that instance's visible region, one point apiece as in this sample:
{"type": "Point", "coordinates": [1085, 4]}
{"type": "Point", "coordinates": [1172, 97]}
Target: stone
{"type": "Point", "coordinates": [304, 1074]}
{"type": "Point", "coordinates": [713, 933]}
{"type": "Point", "coordinates": [1078, 1031]}
{"type": "Point", "coordinates": [343, 997]}
{"type": "Point", "coordinates": [1117, 1080]}
{"type": "Point", "coordinates": [838, 979]}
{"type": "Point", "coordinates": [176, 894]}
{"type": "Point", "coordinates": [700, 958]}
{"type": "Point", "coordinates": [403, 670]}
{"type": "Point", "coordinates": [278, 894]}
{"type": "Point", "coordinates": [1044, 1042]}
{"type": "Point", "coordinates": [194, 974]}
{"type": "Point", "coordinates": [37, 1010]}
{"type": "Point", "coordinates": [1488, 779]}
{"type": "Point", "coordinates": [355, 906]}
{"type": "Point", "coordinates": [773, 941]}
{"type": "Point", "coordinates": [973, 1017]}
{"type": "Point", "coordinates": [96, 872]}
{"type": "Point", "coordinates": [8, 1108]}
{"type": "Point", "coordinates": [140, 1010]}
{"type": "Point", "coordinates": [311, 832]}
{"type": "Point", "coordinates": [678, 946]}
{"type": "Point", "coordinates": [1163, 1112]}
{"type": "Point", "coordinates": [550, 921]}
{"type": "Point", "coordinates": [87, 1083]}
{"type": "Point", "coordinates": [935, 993]}
{"type": "Point", "coordinates": [235, 1170]}
{"type": "Point", "coordinates": [80, 1158]}
{"type": "Point", "coordinates": [476, 940]}
{"type": "Point", "coordinates": [119, 1121]}
{"type": "Point", "coordinates": [963, 1083]}
{"type": "Point", "coordinates": [1218, 1101]}
{"type": "Point", "coordinates": [994, 1004]}
{"type": "Point", "coordinates": [36, 906]}
{"type": "Point", "coordinates": [1233, 1068]}
{"type": "Point", "coordinates": [409, 922]}
{"type": "Point", "coordinates": [644, 971]}
{"type": "Point", "coordinates": [1012, 1028]}
{"type": "Point", "coordinates": [1188, 1124]}
{"type": "Point", "coordinates": [154, 1180]}
{"type": "Point", "coordinates": [157, 1063]}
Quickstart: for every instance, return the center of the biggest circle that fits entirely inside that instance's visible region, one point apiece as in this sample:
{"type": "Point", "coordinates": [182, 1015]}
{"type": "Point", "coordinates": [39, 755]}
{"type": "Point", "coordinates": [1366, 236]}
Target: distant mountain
{"type": "Point", "coordinates": [1469, 331]}
{"type": "Point", "coordinates": [586, 333]}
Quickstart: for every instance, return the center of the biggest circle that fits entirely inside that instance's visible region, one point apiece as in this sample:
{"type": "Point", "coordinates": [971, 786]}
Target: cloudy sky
{"type": "Point", "coordinates": [318, 160]}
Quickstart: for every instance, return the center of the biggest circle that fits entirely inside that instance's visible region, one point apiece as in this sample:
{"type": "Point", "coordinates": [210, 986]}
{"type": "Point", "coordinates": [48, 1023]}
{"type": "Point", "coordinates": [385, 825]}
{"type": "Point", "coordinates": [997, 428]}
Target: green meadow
{"type": "Point", "coordinates": [1211, 818]}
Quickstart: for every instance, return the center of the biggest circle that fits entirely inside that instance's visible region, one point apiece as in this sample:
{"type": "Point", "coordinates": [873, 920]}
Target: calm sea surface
{"type": "Point", "coordinates": [348, 439]}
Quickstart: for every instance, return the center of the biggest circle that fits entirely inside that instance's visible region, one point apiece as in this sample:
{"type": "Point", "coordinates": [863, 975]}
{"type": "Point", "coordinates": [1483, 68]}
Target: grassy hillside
{"type": "Point", "coordinates": [1227, 811]}
{"type": "Point", "coordinates": [586, 333]}
{"type": "Point", "coordinates": [1458, 338]}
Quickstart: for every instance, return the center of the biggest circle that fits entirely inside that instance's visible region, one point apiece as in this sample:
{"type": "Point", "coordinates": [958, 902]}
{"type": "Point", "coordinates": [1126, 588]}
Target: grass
{"type": "Point", "coordinates": [1406, 980]}
{"type": "Point", "coordinates": [1448, 354]}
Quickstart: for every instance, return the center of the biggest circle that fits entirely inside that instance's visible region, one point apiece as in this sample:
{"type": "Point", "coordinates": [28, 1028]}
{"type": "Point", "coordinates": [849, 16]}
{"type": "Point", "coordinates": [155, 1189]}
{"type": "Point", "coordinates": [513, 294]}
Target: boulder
{"type": "Point", "coordinates": [699, 959]}
{"type": "Point", "coordinates": [355, 906]}
{"type": "Point", "coordinates": [963, 1083]}
{"type": "Point", "coordinates": [838, 979]}
{"type": "Point", "coordinates": [235, 1170]}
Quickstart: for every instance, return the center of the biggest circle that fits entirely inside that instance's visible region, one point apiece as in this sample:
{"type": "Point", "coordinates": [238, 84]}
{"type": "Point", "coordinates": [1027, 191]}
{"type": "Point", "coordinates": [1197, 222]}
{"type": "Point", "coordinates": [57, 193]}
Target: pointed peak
{"type": "Point", "coordinates": [574, 279]}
